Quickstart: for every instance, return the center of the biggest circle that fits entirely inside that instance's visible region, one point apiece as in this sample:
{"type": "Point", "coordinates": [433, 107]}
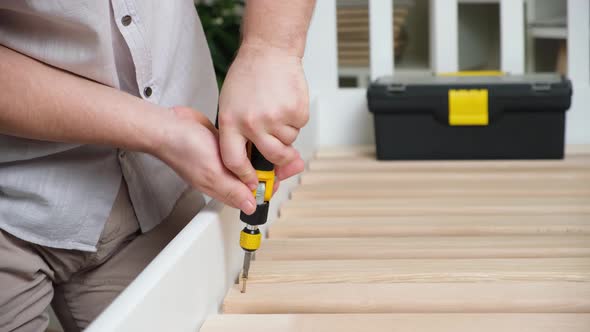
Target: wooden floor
{"type": "Point", "coordinates": [365, 245]}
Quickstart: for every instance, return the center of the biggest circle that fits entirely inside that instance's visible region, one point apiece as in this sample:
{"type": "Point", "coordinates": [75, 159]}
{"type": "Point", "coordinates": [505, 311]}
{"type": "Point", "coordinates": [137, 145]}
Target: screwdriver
{"type": "Point", "coordinates": [250, 236]}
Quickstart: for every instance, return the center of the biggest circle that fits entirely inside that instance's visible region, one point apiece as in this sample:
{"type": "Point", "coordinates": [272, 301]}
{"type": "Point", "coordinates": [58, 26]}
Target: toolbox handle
{"type": "Point", "coordinates": [396, 88]}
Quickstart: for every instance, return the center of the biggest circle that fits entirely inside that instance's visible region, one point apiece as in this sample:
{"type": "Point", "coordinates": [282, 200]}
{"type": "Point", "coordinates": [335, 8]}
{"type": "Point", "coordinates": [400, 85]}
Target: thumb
{"type": "Point", "coordinates": [231, 191]}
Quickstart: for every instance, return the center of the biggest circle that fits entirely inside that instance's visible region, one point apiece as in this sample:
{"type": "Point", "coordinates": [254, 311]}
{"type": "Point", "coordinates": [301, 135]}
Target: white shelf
{"type": "Point", "coordinates": [478, 1]}
{"type": "Point", "coordinates": [548, 32]}
{"type": "Point", "coordinates": [549, 28]}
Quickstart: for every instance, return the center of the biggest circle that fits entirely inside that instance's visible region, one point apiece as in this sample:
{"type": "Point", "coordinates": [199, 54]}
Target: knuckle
{"type": "Point", "coordinates": [237, 167]}
{"type": "Point", "coordinates": [291, 107]}
{"type": "Point", "coordinates": [250, 122]}
{"type": "Point", "coordinates": [232, 163]}
{"type": "Point", "coordinates": [270, 116]}
{"type": "Point", "coordinates": [279, 155]}
{"type": "Point", "coordinates": [305, 113]}
{"type": "Point", "coordinates": [226, 119]}
{"type": "Point", "coordinates": [298, 111]}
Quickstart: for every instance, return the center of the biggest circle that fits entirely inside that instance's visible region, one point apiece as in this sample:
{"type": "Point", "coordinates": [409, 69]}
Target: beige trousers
{"type": "Point", "coordinates": [80, 285]}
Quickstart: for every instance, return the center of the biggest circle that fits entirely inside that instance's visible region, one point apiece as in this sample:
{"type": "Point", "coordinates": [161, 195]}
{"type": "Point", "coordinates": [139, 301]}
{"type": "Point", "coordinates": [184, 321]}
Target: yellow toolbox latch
{"type": "Point", "coordinates": [468, 107]}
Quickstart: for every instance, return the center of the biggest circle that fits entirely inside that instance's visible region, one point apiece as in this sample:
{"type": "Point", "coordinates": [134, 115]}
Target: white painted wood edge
{"type": "Point", "coordinates": [444, 36]}
{"type": "Point", "coordinates": [381, 37]}
{"type": "Point", "coordinates": [512, 36]}
{"type": "Point", "coordinates": [185, 282]}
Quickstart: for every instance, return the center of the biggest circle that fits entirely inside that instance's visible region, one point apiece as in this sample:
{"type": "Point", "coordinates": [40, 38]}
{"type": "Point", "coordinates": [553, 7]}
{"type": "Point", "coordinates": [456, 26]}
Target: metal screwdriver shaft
{"type": "Point", "coordinates": [250, 236]}
{"type": "Point", "coordinates": [245, 269]}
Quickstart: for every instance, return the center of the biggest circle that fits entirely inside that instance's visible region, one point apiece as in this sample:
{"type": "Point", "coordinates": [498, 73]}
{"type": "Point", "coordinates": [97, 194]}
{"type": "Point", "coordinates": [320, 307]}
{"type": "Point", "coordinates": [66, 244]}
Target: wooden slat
{"type": "Point", "coordinates": [399, 322]}
{"type": "Point", "coordinates": [457, 238]}
{"type": "Point", "coordinates": [425, 247]}
{"type": "Point", "coordinates": [449, 201]}
{"type": "Point", "coordinates": [482, 297]}
{"type": "Point", "coordinates": [420, 270]}
{"type": "Point", "coordinates": [450, 178]}
{"type": "Point", "coordinates": [368, 164]}
{"type": "Point", "coordinates": [315, 192]}
{"type": "Point", "coordinates": [323, 208]}
{"type": "Point", "coordinates": [532, 185]}
{"type": "Point", "coordinates": [396, 225]}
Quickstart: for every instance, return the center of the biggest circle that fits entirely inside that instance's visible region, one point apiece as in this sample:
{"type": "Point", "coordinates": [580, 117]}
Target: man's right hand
{"type": "Point", "coordinates": [190, 146]}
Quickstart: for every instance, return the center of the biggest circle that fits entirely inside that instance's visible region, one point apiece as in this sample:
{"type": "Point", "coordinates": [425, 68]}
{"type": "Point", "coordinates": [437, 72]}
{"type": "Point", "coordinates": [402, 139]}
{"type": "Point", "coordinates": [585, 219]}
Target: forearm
{"type": "Point", "coordinates": [40, 102]}
{"type": "Point", "coordinates": [280, 25]}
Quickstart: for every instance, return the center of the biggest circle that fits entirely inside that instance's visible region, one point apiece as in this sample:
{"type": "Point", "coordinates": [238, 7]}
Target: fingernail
{"type": "Point", "coordinates": [253, 186]}
{"type": "Point", "coordinates": [248, 207]}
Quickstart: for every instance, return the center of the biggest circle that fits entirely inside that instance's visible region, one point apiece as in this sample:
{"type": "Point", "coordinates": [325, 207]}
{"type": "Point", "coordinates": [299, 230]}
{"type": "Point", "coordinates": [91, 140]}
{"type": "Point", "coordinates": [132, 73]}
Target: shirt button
{"type": "Point", "coordinates": [147, 91]}
{"type": "Point", "coordinates": [126, 20]}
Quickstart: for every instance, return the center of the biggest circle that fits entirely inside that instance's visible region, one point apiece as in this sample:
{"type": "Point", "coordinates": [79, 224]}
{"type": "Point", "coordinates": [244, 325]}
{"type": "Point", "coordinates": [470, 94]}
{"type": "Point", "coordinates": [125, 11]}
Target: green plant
{"type": "Point", "coordinates": [221, 21]}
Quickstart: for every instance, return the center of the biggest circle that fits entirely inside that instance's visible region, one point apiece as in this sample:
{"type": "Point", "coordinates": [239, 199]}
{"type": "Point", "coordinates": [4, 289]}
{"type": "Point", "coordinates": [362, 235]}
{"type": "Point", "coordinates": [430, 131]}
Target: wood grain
{"type": "Point", "coordinates": [399, 322]}
{"type": "Point", "coordinates": [449, 178]}
{"type": "Point", "coordinates": [420, 270]}
{"type": "Point", "coordinates": [425, 247]}
{"type": "Point", "coordinates": [368, 192]}
{"type": "Point", "coordinates": [420, 225]}
{"type": "Point", "coordinates": [483, 297]}
{"type": "Point", "coordinates": [369, 164]}
{"type": "Point", "coordinates": [324, 208]}
{"type": "Point", "coordinates": [395, 202]}
{"type": "Point", "coordinates": [446, 205]}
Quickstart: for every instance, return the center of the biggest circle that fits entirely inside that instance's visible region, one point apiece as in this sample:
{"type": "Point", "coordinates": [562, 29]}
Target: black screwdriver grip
{"type": "Point", "coordinates": [258, 161]}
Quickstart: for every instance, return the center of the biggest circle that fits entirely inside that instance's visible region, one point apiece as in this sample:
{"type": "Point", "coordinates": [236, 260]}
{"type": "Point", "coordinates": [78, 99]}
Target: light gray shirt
{"type": "Point", "coordinates": [60, 195]}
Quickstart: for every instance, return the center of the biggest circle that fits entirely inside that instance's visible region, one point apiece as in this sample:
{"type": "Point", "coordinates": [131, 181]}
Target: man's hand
{"type": "Point", "coordinates": [264, 100]}
{"type": "Point", "coordinates": [62, 107]}
{"type": "Point", "coordinates": [191, 148]}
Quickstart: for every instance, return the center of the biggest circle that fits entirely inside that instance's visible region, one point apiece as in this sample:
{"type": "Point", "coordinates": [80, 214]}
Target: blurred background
{"type": "Point", "coordinates": [478, 34]}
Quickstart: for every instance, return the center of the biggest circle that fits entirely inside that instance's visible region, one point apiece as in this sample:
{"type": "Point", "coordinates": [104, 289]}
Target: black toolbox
{"type": "Point", "coordinates": [470, 117]}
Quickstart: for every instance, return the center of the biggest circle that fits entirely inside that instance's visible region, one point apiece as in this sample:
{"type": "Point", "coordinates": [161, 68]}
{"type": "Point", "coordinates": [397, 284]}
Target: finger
{"type": "Point", "coordinates": [274, 150]}
{"type": "Point", "coordinates": [286, 134]}
{"type": "Point", "coordinates": [235, 157]}
{"type": "Point", "coordinates": [231, 191]}
{"type": "Point", "coordinates": [286, 171]}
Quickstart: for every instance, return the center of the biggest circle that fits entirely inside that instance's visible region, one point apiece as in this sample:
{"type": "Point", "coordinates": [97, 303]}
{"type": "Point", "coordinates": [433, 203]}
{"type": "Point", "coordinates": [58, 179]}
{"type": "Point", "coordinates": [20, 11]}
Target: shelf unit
{"type": "Point", "coordinates": [479, 33]}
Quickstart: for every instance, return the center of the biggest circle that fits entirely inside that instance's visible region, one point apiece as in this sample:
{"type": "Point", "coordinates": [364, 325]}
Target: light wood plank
{"type": "Point", "coordinates": [369, 164]}
{"type": "Point", "coordinates": [398, 322]}
{"type": "Point", "coordinates": [450, 201]}
{"type": "Point", "coordinates": [450, 178]}
{"type": "Point", "coordinates": [483, 297]}
{"type": "Point", "coordinates": [420, 270]}
{"type": "Point", "coordinates": [440, 225]}
{"type": "Point", "coordinates": [315, 192]}
{"type": "Point", "coordinates": [323, 208]}
{"type": "Point", "coordinates": [527, 188]}
{"type": "Point", "coordinates": [425, 247]}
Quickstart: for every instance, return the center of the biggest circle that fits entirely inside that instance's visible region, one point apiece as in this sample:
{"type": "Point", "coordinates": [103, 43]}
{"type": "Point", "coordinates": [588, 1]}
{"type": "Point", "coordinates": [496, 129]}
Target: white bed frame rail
{"type": "Point", "coordinates": [190, 277]}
